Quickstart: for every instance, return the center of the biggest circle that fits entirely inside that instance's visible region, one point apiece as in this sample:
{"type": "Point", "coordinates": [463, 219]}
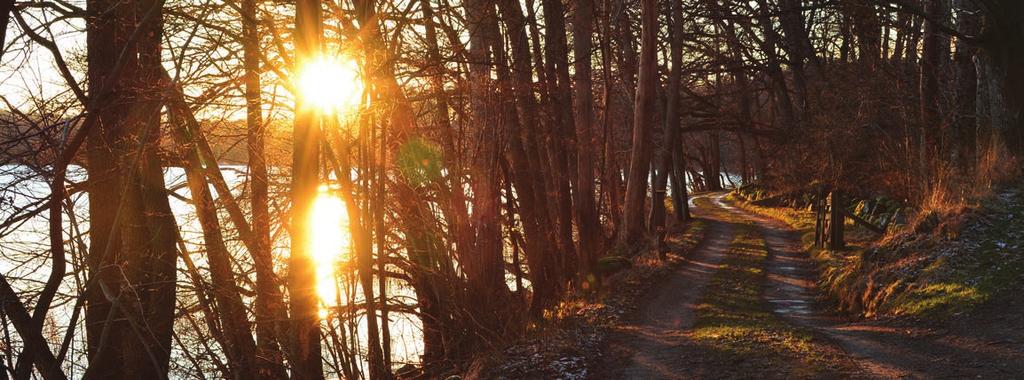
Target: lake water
{"type": "Point", "coordinates": [24, 257]}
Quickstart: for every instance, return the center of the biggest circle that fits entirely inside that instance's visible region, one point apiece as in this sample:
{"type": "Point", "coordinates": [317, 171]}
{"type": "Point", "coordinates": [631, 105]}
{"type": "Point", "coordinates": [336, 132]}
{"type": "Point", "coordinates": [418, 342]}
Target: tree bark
{"type": "Point", "coordinates": [590, 235]}
{"type": "Point", "coordinates": [667, 155]}
{"type": "Point", "coordinates": [561, 142]}
{"type": "Point", "coordinates": [969, 17]}
{"type": "Point", "coordinates": [268, 301]}
{"type": "Point", "coordinates": [931, 66]}
{"type": "Point", "coordinates": [1001, 61]}
{"type": "Point", "coordinates": [545, 269]}
{"type": "Point", "coordinates": [640, 154]}
{"type": "Point", "coordinates": [304, 303]}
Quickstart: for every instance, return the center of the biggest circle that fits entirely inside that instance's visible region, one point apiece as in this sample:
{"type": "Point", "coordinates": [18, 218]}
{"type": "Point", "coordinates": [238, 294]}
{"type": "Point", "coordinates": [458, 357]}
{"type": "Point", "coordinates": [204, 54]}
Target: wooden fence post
{"type": "Point", "coordinates": [836, 215]}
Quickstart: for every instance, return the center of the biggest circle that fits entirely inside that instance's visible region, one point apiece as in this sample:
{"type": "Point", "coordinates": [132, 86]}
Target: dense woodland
{"type": "Point", "coordinates": [495, 153]}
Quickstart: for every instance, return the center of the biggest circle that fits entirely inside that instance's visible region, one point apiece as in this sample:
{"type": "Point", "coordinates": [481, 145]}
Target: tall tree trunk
{"type": "Point", "coordinates": [590, 235]}
{"type": "Point", "coordinates": [640, 154]}
{"type": "Point", "coordinates": [1002, 63]}
{"type": "Point", "coordinates": [239, 346]}
{"type": "Point", "coordinates": [106, 35]}
{"type": "Point", "coordinates": [664, 162]}
{"type": "Point", "coordinates": [803, 60]}
{"type": "Point", "coordinates": [969, 23]}
{"type": "Point", "coordinates": [304, 303]}
{"type": "Point", "coordinates": [388, 95]}
{"type": "Point", "coordinates": [546, 274]}
{"type": "Point", "coordinates": [428, 282]}
{"type": "Point", "coordinates": [481, 266]}
{"type": "Point", "coordinates": [268, 303]}
{"type": "Point", "coordinates": [931, 66]}
{"type": "Point", "coordinates": [561, 144]}
{"type": "Point", "coordinates": [781, 99]}
{"type": "Point", "coordinates": [611, 176]}
{"type": "Point", "coordinates": [134, 247]}
{"type": "Point", "coordinates": [713, 170]}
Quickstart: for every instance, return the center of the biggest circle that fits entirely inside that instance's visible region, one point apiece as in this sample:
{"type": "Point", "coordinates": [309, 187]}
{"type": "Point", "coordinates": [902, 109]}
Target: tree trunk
{"type": "Point", "coordinates": [1002, 63]}
{"type": "Point", "coordinates": [268, 301]}
{"type": "Point", "coordinates": [969, 23]}
{"type": "Point", "coordinates": [304, 302]}
{"type": "Point", "coordinates": [484, 265]}
{"type": "Point", "coordinates": [561, 142]}
{"type": "Point", "coordinates": [713, 170]}
{"type": "Point", "coordinates": [590, 235]}
{"type": "Point", "coordinates": [239, 346]}
{"type": "Point", "coordinates": [545, 272]}
{"type": "Point", "coordinates": [664, 163]}
{"type": "Point", "coordinates": [931, 66]}
{"type": "Point", "coordinates": [640, 154]}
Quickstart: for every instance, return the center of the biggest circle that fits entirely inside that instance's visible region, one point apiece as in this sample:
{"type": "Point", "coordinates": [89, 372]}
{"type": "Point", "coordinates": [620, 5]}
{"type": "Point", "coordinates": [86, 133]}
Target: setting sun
{"type": "Point", "coordinates": [328, 225]}
{"type": "Point", "coordinates": [330, 84]}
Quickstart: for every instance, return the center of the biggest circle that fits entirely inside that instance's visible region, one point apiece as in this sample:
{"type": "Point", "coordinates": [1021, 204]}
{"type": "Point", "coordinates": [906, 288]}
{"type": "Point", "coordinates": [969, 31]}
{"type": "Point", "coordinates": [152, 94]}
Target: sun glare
{"type": "Point", "coordinates": [330, 84]}
{"type": "Point", "coordinates": [329, 237]}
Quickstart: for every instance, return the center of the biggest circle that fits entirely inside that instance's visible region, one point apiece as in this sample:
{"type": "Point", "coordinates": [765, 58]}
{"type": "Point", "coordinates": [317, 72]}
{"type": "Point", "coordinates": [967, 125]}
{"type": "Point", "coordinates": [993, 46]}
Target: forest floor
{"type": "Point", "coordinates": [746, 304]}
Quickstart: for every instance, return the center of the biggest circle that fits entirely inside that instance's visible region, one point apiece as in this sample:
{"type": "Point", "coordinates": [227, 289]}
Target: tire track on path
{"type": "Point", "coordinates": [882, 351]}
{"type": "Point", "coordinates": [651, 342]}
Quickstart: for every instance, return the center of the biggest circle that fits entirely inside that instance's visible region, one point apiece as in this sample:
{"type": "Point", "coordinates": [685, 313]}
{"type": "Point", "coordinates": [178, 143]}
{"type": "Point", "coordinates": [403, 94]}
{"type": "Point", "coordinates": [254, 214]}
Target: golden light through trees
{"type": "Point", "coordinates": [330, 84]}
{"type": "Point", "coordinates": [327, 233]}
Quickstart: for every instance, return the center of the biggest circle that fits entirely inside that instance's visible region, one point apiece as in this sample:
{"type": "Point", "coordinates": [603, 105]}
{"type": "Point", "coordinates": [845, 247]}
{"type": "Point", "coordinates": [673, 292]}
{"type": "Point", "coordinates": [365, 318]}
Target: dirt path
{"type": "Point", "coordinates": [650, 344]}
{"type": "Point", "coordinates": [657, 341]}
{"type": "Point", "coordinates": [881, 349]}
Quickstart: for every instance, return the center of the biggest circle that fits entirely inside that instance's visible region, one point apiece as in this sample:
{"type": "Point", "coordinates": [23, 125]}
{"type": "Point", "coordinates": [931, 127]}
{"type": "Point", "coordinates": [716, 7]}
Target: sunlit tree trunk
{"type": "Point", "coordinates": [268, 303]}
{"type": "Point", "coordinates": [239, 346]}
{"type": "Point", "coordinates": [304, 303]}
{"type": "Point", "coordinates": [386, 93]}
{"type": "Point", "coordinates": [268, 299]}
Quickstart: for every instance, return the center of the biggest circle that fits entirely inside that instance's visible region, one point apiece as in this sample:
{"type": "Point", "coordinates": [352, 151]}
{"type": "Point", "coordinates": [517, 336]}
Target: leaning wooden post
{"type": "Point", "coordinates": [819, 220]}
